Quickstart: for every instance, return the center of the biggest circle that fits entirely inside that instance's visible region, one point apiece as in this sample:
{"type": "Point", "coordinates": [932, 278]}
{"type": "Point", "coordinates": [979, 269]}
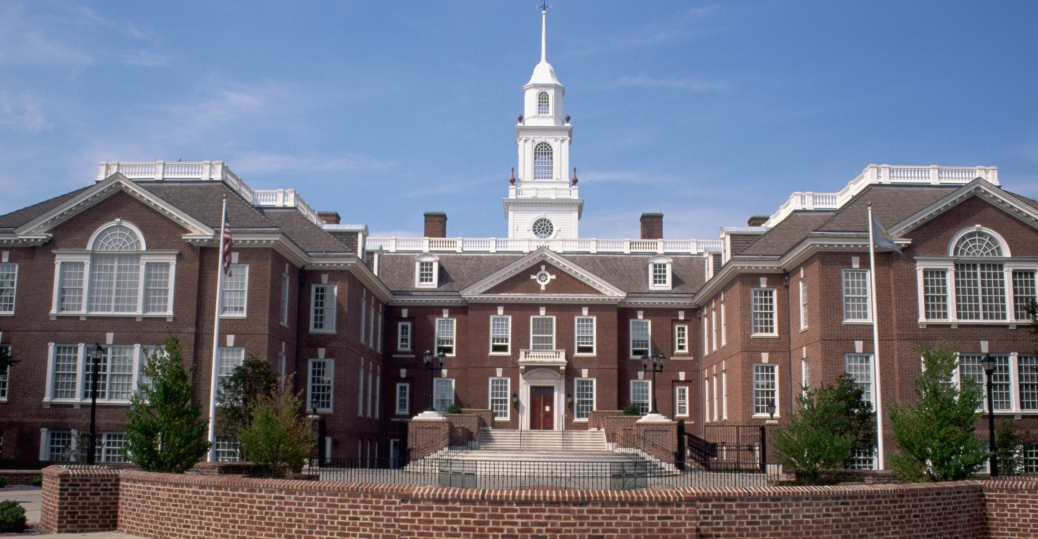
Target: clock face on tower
{"type": "Point", "coordinates": [543, 228]}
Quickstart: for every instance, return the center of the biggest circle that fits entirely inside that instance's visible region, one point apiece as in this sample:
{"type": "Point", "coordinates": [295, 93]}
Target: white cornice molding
{"type": "Point", "coordinates": [100, 191]}
{"type": "Point", "coordinates": [548, 256]}
{"type": "Point", "coordinates": [682, 301]}
{"type": "Point", "coordinates": [427, 301]}
{"type": "Point", "coordinates": [979, 188]}
{"type": "Point", "coordinates": [543, 298]}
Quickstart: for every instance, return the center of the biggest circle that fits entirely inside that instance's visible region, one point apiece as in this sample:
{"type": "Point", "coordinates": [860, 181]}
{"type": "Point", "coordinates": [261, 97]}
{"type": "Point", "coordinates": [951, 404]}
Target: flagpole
{"type": "Point", "coordinates": [875, 345]}
{"type": "Point", "coordinates": [214, 381]}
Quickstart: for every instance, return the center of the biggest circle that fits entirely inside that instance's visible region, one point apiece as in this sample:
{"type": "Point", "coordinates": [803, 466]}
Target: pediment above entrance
{"type": "Point", "coordinates": [543, 275]}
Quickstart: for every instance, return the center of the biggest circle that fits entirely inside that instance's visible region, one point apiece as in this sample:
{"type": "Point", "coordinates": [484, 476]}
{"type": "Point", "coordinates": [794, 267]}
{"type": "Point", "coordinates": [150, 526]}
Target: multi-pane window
{"type": "Point", "coordinates": [70, 288]}
{"type": "Point", "coordinates": [543, 103]}
{"type": "Point", "coordinates": [681, 401]}
{"type": "Point", "coordinates": [971, 367]}
{"type": "Point", "coordinates": [403, 399]}
{"type": "Point", "coordinates": [227, 359]}
{"type": "Point", "coordinates": [855, 295]}
{"type": "Point", "coordinates": [584, 403]}
{"type": "Point", "coordinates": [765, 388]}
{"type": "Point", "coordinates": [724, 395]}
{"type": "Point", "coordinates": [66, 366]}
{"type": "Point", "coordinates": [640, 337]}
{"type": "Point", "coordinates": [321, 380]}
{"type": "Point", "coordinates": [640, 392]}
{"type": "Point", "coordinates": [935, 294]}
{"type": "Point", "coordinates": [426, 273]}
{"type": "Point", "coordinates": [1023, 293]}
{"type": "Point", "coordinates": [681, 339]}
{"type": "Point", "coordinates": [1028, 371]}
{"type": "Point", "coordinates": [706, 399]}
{"type": "Point", "coordinates": [977, 243]}
{"type": "Point", "coordinates": [4, 375]}
{"type": "Point", "coordinates": [110, 446]}
{"type": "Point", "coordinates": [542, 332]}
{"type": "Point", "coordinates": [59, 445]}
{"type": "Point", "coordinates": [980, 291]}
{"type": "Point", "coordinates": [805, 374]}
{"type": "Point", "coordinates": [660, 275]}
{"type": "Point", "coordinates": [803, 303]}
{"type": "Point", "coordinates": [859, 368]}
{"type": "Point", "coordinates": [115, 375]}
{"type": "Point", "coordinates": [445, 336]}
{"type": "Point", "coordinates": [114, 283]}
{"type": "Point", "coordinates": [1031, 458]}
{"type": "Point", "coordinates": [762, 303]}
{"type": "Point", "coordinates": [542, 162]}
{"type": "Point", "coordinates": [715, 397]}
{"type": "Point", "coordinates": [499, 397]}
{"type": "Point", "coordinates": [8, 283]}
{"type": "Point", "coordinates": [500, 334]}
{"type": "Point", "coordinates": [284, 299]}
{"type": "Point", "coordinates": [443, 394]}
{"type": "Point", "coordinates": [713, 330]}
{"type": "Point", "coordinates": [235, 290]}
{"type": "Point", "coordinates": [724, 326]}
{"type": "Point", "coordinates": [403, 336]}
{"type": "Point", "coordinates": [585, 335]}
{"type": "Point", "coordinates": [156, 287]}
{"type": "Point", "coordinates": [322, 313]}
{"type": "Point", "coordinates": [227, 449]}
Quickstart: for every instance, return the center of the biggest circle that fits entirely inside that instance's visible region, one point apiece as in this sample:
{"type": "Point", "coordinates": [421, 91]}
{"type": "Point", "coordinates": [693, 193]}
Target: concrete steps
{"type": "Point", "coordinates": [542, 440]}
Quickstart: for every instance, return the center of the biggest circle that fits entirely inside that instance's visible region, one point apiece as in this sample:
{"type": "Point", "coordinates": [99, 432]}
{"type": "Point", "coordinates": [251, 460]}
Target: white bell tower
{"type": "Point", "coordinates": [543, 202]}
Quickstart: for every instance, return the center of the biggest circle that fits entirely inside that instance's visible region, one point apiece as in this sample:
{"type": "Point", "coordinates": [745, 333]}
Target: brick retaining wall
{"type": "Point", "coordinates": [19, 477]}
{"type": "Point", "coordinates": [188, 506]}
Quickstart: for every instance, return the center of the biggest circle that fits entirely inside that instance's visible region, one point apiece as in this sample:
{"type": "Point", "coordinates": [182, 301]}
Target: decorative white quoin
{"type": "Point", "coordinates": [543, 204]}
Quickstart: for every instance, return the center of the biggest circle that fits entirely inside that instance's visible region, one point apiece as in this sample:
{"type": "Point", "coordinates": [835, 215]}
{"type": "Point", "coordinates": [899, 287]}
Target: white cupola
{"type": "Point", "coordinates": [543, 201]}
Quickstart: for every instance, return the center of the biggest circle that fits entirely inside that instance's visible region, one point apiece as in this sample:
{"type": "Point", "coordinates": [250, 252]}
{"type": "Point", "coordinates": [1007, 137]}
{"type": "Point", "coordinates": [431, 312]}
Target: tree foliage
{"type": "Point", "coordinates": [239, 393]}
{"type": "Point", "coordinates": [935, 434]}
{"type": "Point", "coordinates": [166, 431]}
{"type": "Point", "coordinates": [1009, 448]}
{"type": "Point", "coordinates": [820, 437]}
{"type": "Point", "coordinates": [857, 417]}
{"type": "Point", "coordinates": [278, 437]}
{"type": "Point", "coordinates": [7, 359]}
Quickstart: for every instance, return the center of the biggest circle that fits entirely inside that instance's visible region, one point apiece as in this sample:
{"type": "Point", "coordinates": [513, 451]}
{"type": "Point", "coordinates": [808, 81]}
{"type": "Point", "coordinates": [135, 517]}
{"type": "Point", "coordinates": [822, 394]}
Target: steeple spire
{"type": "Point", "coordinates": [544, 30]}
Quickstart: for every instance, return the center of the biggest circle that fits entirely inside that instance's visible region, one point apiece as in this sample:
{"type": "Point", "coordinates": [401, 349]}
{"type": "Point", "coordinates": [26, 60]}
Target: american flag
{"type": "Point", "coordinates": [227, 243]}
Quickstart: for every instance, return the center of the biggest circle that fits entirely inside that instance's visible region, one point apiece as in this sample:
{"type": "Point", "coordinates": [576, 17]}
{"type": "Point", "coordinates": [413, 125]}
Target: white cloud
{"type": "Point", "coordinates": [690, 83]}
{"type": "Point", "coordinates": [145, 59]}
{"type": "Point", "coordinates": [21, 113]}
{"type": "Point", "coordinates": [25, 43]}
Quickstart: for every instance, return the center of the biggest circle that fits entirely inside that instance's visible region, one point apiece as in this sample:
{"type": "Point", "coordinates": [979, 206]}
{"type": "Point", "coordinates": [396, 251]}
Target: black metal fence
{"type": "Point", "coordinates": [729, 448]}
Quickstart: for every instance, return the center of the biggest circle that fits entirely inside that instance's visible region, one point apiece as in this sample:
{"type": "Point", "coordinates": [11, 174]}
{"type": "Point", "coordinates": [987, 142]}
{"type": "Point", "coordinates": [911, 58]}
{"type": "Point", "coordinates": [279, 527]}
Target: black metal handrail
{"type": "Point", "coordinates": [700, 450]}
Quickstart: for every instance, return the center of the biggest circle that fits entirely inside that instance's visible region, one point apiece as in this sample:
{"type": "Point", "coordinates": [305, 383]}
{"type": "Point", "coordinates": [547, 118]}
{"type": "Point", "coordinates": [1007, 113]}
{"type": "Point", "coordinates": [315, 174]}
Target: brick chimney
{"type": "Point", "coordinates": [329, 217]}
{"type": "Point", "coordinates": [435, 224]}
{"type": "Point", "coordinates": [757, 220]}
{"type": "Point", "coordinates": [652, 226]}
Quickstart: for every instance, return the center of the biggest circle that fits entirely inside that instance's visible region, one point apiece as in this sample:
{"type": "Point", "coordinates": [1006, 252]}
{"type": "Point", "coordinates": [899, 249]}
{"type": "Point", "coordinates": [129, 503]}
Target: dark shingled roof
{"type": "Point", "coordinates": [20, 217]}
{"type": "Point", "coordinates": [202, 200]}
{"type": "Point", "coordinates": [891, 204]}
{"type": "Point", "coordinates": [459, 271]}
{"type": "Point", "coordinates": [788, 233]}
{"type": "Point", "coordinates": [307, 235]}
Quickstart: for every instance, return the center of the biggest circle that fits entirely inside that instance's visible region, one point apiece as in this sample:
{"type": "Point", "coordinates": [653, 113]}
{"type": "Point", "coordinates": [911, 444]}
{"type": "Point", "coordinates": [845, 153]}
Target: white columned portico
{"type": "Point", "coordinates": [542, 377]}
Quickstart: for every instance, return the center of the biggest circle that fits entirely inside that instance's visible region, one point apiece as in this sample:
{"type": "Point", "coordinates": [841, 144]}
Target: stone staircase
{"type": "Point", "coordinates": [570, 441]}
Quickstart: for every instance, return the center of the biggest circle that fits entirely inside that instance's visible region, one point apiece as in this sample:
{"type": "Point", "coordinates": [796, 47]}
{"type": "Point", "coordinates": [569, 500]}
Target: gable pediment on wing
{"type": "Point", "coordinates": [977, 188]}
{"type": "Point", "coordinates": [41, 226]}
{"type": "Point", "coordinates": [542, 275]}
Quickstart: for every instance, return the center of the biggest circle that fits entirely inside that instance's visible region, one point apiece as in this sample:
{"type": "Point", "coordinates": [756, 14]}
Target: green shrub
{"type": "Point", "coordinates": [454, 409]}
{"type": "Point", "coordinates": [36, 481]}
{"type": "Point", "coordinates": [632, 409]}
{"type": "Point", "coordinates": [818, 439]}
{"type": "Point", "coordinates": [3, 481]}
{"type": "Point", "coordinates": [278, 437]}
{"type": "Point", "coordinates": [12, 517]}
{"type": "Point", "coordinates": [1009, 448]}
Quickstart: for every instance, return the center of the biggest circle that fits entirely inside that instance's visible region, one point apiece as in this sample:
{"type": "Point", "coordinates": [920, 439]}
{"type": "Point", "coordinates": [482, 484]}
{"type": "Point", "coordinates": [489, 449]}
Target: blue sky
{"type": "Point", "coordinates": [707, 112]}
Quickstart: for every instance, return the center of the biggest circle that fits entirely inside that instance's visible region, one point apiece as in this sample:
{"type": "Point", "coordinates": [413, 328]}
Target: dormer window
{"type": "Point", "coordinates": [427, 270]}
{"type": "Point", "coordinates": [543, 103]}
{"type": "Point", "coordinates": [659, 273]}
{"type": "Point", "coordinates": [543, 167]}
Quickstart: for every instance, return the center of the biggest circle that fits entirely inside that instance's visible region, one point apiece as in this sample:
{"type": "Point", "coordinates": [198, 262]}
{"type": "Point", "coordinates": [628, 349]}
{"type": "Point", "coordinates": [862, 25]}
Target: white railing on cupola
{"type": "Point", "coordinates": [210, 171]}
{"type": "Point", "coordinates": [505, 245]}
{"type": "Point", "coordinates": [542, 193]}
{"type": "Point", "coordinates": [885, 175]}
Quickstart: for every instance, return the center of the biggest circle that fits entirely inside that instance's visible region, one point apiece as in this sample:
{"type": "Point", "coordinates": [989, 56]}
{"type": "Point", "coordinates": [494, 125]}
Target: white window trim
{"type": "Point", "coordinates": [245, 308]}
{"type": "Point", "coordinates": [594, 337]}
{"type": "Point", "coordinates": [805, 375]}
{"type": "Point", "coordinates": [724, 395]}
{"type": "Point", "coordinates": [435, 270]}
{"type": "Point", "coordinates": [803, 304]}
{"type": "Point", "coordinates": [454, 336]}
{"type": "Point", "coordinates": [454, 394]}
{"type": "Point", "coordinates": [669, 263]}
{"type": "Point", "coordinates": [14, 297]}
{"type": "Point", "coordinates": [868, 296]}
{"type": "Point", "coordinates": [554, 332]}
{"type": "Point", "coordinates": [594, 399]}
{"type": "Point", "coordinates": [508, 399]}
{"type": "Point", "coordinates": [716, 400]}
{"type": "Point", "coordinates": [677, 392]}
{"type": "Point", "coordinates": [724, 326]}
{"type": "Point", "coordinates": [778, 387]}
{"type": "Point", "coordinates": [1015, 408]}
{"type": "Point", "coordinates": [410, 336]}
{"type": "Point", "coordinates": [774, 316]}
{"type": "Point", "coordinates": [631, 393]}
{"type": "Point", "coordinates": [330, 320]}
{"type": "Point", "coordinates": [678, 348]}
{"type": "Point", "coordinates": [998, 237]}
{"type": "Point", "coordinates": [491, 336]}
{"type": "Point", "coordinates": [406, 410]}
{"type": "Point", "coordinates": [630, 337]}
{"type": "Point", "coordinates": [947, 264]}
{"type": "Point", "coordinates": [81, 376]}
{"type": "Point", "coordinates": [7, 387]}
{"type": "Point", "coordinates": [706, 398]}
{"type": "Point", "coordinates": [286, 294]}
{"type": "Point", "coordinates": [85, 256]}
{"type": "Point", "coordinates": [713, 330]}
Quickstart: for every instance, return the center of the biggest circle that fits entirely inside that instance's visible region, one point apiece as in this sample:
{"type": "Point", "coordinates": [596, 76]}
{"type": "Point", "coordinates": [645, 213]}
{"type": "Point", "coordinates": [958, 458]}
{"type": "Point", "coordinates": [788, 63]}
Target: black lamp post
{"type": "Point", "coordinates": [432, 366]}
{"type": "Point", "coordinates": [654, 366]}
{"type": "Point", "coordinates": [989, 369]}
{"type": "Point", "coordinates": [771, 408]}
{"type": "Point", "coordinates": [96, 353]}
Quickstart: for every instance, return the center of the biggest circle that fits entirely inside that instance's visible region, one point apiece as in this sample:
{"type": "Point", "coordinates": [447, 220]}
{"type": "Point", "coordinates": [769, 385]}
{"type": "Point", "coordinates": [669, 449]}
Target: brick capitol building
{"type": "Point", "coordinates": [543, 327]}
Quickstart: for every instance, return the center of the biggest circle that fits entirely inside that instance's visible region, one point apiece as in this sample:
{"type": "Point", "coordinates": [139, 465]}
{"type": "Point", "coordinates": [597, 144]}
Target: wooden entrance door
{"type": "Point", "coordinates": [542, 408]}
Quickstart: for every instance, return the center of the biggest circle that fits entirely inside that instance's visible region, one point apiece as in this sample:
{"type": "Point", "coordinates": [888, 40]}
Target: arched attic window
{"type": "Point", "coordinates": [980, 285]}
{"type": "Point", "coordinates": [978, 243]}
{"type": "Point", "coordinates": [543, 103]}
{"type": "Point", "coordinates": [543, 168]}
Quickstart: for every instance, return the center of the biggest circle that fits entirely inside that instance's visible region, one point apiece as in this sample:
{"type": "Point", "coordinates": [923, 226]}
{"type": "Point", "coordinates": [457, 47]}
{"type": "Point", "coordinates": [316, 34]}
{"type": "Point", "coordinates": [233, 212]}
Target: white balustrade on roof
{"type": "Point", "coordinates": [210, 171]}
{"type": "Point", "coordinates": [882, 175]}
{"type": "Point", "coordinates": [542, 192]}
{"type": "Point", "coordinates": [506, 245]}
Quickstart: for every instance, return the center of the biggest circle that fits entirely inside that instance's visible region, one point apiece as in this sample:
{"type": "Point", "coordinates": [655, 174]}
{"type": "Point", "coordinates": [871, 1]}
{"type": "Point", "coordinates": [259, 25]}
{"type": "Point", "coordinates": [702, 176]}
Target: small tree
{"type": "Point", "coordinates": [1009, 448]}
{"type": "Point", "coordinates": [818, 440]}
{"type": "Point", "coordinates": [278, 437]}
{"type": "Point", "coordinates": [934, 435]}
{"type": "Point", "coordinates": [239, 393]}
{"type": "Point", "coordinates": [858, 416]}
{"type": "Point", "coordinates": [166, 432]}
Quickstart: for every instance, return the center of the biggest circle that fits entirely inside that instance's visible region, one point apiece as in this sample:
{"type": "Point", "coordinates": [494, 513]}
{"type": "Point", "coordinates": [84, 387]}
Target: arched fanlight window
{"type": "Point", "coordinates": [117, 238]}
{"type": "Point", "coordinates": [543, 228]}
{"type": "Point", "coordinates": [543, 104]}
{"type": "Point", "coordinates": [542, 161]}
{"type": "Point", "coordinates": [977, 244]}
